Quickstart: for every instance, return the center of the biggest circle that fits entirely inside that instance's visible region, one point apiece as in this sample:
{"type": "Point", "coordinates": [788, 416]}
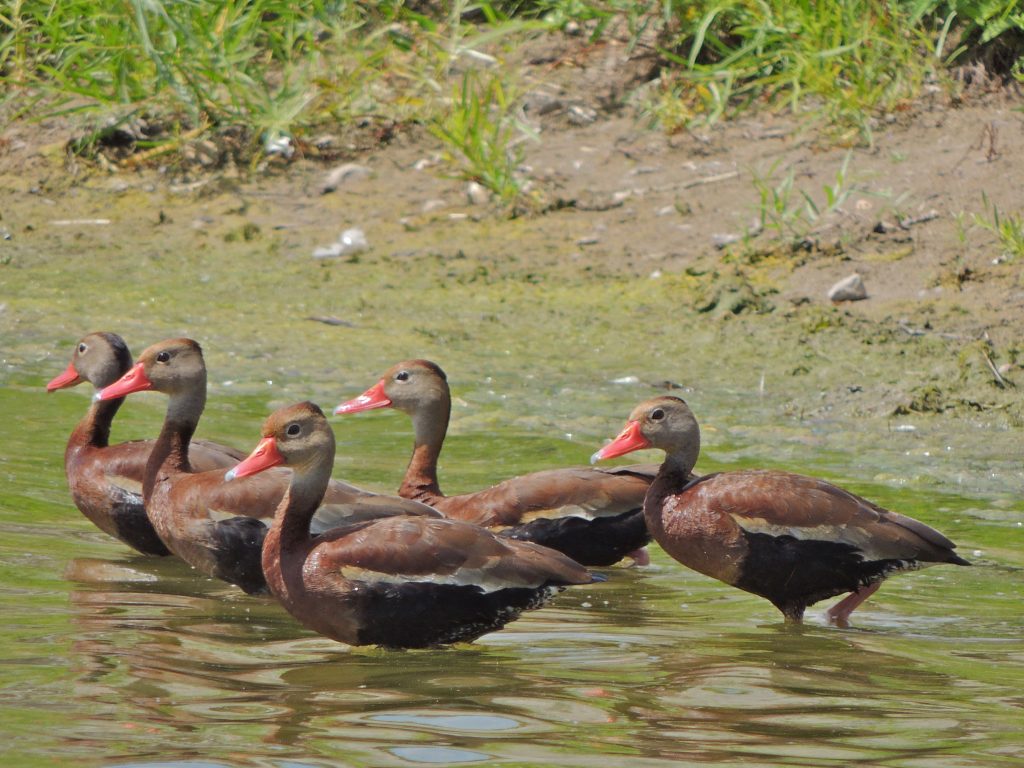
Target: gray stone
{"type": "Point", "coordinates": [848, 289]}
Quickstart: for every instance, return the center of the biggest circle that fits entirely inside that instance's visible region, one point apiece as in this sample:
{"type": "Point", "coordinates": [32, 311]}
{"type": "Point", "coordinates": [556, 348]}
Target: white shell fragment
{"type": "Point", "coordinates": [350, 242]}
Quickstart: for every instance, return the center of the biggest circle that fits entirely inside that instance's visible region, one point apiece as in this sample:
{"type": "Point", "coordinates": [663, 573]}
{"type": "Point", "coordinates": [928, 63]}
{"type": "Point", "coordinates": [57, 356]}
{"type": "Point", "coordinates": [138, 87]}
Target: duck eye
{"type": "Point", "coordinates": [657, 414]}
{"type": "Point", "coordinates": [402, 376]}
{"type": "Point", "coordinates": [293, 430]}
{"type": "Point", "coordinates": [163, 357]}
{"type": "Point", "coordinates": [81, 349]}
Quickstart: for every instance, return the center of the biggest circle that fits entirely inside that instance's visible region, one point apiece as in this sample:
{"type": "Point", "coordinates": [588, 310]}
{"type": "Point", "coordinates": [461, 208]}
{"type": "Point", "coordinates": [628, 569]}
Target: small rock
{"type": "Point", "coordinates": [721, 241]}
{"type": "Point", "coordinates": [541, 103]}
{"type": "Point", "coordinates": [207, 153]}
{"type": "Point", "coordinates": [327, 252]}
{"type": "Point", "coordinates": [848, 289]}
{"type": "Point", "coordinates": [477, 194]}
{"type": "Point", "coordinates": [580, 115]}
{"type": "Point", "coordinates": [344, 173]}
{"type": "Point", "coordinates": [433, 205]}
{"type": "Point", "coordinates": [278, 143]}
{"type": "Point", "coordinates": [350, 242]}
{"type": "Point", "coordinates": [353, 240]}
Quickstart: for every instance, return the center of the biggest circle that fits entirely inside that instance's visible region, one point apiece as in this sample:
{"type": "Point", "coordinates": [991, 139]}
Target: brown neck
{"type": "Point", "coordinates": [430, 424]}
{"type": "Point", "coordinates": [300, 502]}
{"type": "Point", "coordinates": [674, 472]}
{"type": "Point", "coordinates": [170, 453]}
{"type": "Point", "coordinates": [94, 428]}
{"type": "Point", "coordinates": [289, 533]}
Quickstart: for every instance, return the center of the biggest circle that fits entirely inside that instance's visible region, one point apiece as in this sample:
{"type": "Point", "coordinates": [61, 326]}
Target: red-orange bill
{"type": "Point", "coordinates": [69, 378]}
{"type": "Point", "coordinates": [630, 439]}
{"type": "Point", "coordinates": [135, 380]}
{"type": "Point", "coordinates": [372, 398]}
{"type": "Point", "coordinates": [264, 456]}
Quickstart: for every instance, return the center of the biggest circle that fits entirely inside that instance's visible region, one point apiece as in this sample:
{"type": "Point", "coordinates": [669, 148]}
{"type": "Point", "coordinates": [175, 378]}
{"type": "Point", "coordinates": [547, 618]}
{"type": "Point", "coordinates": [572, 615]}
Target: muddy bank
{"type": "Point", "coordinates": [560, 321]}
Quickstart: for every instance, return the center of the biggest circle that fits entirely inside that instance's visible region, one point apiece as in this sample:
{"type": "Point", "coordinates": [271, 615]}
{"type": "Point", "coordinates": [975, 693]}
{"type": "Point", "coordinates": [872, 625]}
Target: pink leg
{"type": "Point", "coordinates": [640, 556]}
{"type": "Point", "coordinates": [839, 614]}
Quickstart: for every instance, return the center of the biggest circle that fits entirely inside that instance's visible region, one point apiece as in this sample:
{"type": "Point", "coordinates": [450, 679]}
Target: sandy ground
{"type": "Point", "coordinates": [623, 199]}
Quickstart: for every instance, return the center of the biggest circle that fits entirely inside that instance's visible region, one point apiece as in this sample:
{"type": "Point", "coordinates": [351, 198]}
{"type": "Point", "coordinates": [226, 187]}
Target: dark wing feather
{"type": "Point", "coordinates": [785, 504]}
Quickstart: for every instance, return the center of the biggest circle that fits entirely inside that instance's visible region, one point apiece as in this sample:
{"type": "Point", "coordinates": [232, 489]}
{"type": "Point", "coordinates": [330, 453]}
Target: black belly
{"type": "Point", "coordinates": [601, 541]}
{"type": "Point", "coordinates": [133, 526]}
{"type": "Point", "coordinates": [238, 542]}
{"type": "Point", "coordinates": [794, 573]}
{"type": "Point", "coordinates": [421, 615]}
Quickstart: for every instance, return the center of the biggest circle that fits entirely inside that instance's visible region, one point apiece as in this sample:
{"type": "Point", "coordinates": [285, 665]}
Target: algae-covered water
{"type": "Point", "coordinates": [107, 658]}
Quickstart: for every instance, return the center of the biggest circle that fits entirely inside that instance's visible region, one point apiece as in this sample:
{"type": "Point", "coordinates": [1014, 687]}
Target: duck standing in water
{"type": "Point", "coordinates": [401, 582]}
{"type": "Point", "coordinates": [106, 480]}
{"type": "Point", "coordinates": [593, 515]}
{"type": "Point", "coordinates": [215, 527]}
{"type": "Point", "coordinates": [791, 539]}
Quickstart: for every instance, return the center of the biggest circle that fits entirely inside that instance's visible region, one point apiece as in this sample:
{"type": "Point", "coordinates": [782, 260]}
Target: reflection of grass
{"type": "Point", "coordinates": [1008, 228]}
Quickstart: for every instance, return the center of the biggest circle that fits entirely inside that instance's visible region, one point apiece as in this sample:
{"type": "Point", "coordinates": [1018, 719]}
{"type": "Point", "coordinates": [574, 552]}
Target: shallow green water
{"type": "Point", "coordinates": [111, 659]}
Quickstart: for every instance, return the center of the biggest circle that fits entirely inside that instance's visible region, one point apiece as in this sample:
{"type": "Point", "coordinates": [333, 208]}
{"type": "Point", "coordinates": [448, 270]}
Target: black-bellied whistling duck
{"type": "Point", "coordinates": [216, 527]}
{"type": "Point", "coordinates": [593, 515]}
{"type": "Point", "coordinates": [408, 582]}
{"type": "Point", "coordinates": [792, 539]}
{"type": "Point", "coordinates": [106, 480]}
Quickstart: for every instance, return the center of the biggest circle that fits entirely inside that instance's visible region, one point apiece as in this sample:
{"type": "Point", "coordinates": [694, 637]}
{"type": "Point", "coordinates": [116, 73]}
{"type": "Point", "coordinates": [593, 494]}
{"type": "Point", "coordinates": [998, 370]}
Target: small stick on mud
{"type": "Point", "coordinates": [1001, 381]}
{"type": "Point", "coordinates": [710, 179]}
{"type": "Point", "coordinates": [331, 320]}
{"type": "Point", "coordinates": [884, 227]}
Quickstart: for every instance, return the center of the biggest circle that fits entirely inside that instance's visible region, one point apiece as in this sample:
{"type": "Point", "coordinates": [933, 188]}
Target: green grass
{"type": "Point", "coordinates": [482, 139]}
{"type": "Point", "coordinates": [270, 68]}
{"type": "Point", "coordinates": [790, 213]}
{"type": "Point", "coordinates": [1008, 228]}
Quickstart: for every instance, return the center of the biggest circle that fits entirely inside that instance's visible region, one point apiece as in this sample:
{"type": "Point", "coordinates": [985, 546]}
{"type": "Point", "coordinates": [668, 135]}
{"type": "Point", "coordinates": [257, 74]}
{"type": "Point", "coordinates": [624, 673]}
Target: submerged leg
{"type": "Point", "coordinates": [839, 614]}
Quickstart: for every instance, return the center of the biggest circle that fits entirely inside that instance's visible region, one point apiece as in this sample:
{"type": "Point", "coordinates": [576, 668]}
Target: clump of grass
{"type": "Point", "coordinates": [482, 138]}
{"type": "Point", "coordinates": [1008, 228]}
{"type": "Point", "coordinates": [271, 68]}
{"type": "Point", "coordinates": [791, 213]}
{"type": "Point", "coordinates": [245, 63]}
{"type": "Point", "coordinates": [844, 59]}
